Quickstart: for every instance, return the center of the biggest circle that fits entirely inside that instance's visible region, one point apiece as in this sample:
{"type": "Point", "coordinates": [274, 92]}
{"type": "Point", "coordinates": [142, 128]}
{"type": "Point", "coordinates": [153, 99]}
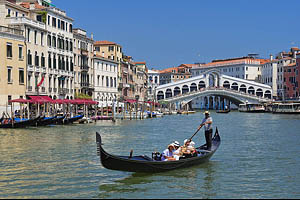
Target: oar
{"type": "Point", "coordinates": [194, 134]}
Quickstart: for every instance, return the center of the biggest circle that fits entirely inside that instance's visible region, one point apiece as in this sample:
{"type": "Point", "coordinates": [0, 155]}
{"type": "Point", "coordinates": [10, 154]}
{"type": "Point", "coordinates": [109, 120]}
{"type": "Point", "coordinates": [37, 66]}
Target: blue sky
{"type": "Point", "coordinates": [167, 33]}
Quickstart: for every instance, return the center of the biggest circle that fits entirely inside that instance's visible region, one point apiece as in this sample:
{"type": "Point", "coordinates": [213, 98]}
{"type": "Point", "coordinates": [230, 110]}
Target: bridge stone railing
{"type": "Point", "coordinates": [242, 96]}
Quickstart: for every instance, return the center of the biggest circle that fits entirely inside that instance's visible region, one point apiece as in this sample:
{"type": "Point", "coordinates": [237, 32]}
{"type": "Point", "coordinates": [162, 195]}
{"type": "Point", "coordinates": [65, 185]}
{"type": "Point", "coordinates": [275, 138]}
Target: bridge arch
{"type": "Point", "coordinates": [226, 84]}
{"type": "Point", "coordinates": [251, 90]}
{"type": "Point", "coordinates": [268, 94]}
{"type": "Point", "coordinates": [160, 95]}
{"type": "Point", "coordinates": [201, 85]}
{"type": "Point", "coordinates": [243, 88]}
{"type": "Point", "coordinates": [185, 89]}
{"type": "Point", "coordinates": [169, 93]}
{"type": "Point", "coordinates": [177, 91]}
{"type": "Point", "coordinates": [193, 87]}
{"type": "Point", "coordinates": [259, 92]}
{"type": "Point", "coordinates": [235, 86]}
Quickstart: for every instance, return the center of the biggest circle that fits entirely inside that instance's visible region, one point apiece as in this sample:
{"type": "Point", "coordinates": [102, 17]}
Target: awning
{"type": "Point", "coordinates": [40, 99]}
{"type": "Point", "coordinates": [19, 101]}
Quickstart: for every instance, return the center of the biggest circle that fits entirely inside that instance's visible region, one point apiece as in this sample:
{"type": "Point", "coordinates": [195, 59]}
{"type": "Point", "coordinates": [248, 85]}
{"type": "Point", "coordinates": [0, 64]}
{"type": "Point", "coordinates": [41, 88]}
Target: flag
{"type": "Point", "coordinates": [43, 78]}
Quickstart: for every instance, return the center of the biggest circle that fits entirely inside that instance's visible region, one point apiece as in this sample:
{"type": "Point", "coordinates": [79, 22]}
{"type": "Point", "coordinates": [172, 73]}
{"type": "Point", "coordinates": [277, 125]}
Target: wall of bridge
{"type": "Point", "coordinates": [213, 80]}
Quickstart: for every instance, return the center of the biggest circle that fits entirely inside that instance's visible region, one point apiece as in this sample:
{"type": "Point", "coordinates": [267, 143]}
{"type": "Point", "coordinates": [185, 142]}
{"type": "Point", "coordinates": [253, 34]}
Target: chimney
{"type": "Point", "coordinates": [92, 36]}
{"type": "Point", "coordinates": [271, 57]}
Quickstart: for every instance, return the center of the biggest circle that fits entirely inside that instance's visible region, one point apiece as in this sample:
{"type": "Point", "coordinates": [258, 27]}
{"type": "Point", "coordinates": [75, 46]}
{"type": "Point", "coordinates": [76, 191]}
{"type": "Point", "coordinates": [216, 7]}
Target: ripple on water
{"type": "Point", "coordinates": [258, 158]}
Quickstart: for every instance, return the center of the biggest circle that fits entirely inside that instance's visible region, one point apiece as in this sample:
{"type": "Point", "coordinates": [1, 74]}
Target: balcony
{"type": "Point", "coordinates": [62, 91]}
{"type": "Point", "coordinates": [50, 90]}
{"type": "Point", "coordinates": [26, 21]}
{"type": "Point", "coordinates": [85, 68]}
{"type": "Point", "coordinates": [29, 88]}
{"type": "Point", "coordinates": [85, 85]}
{"type": "Point", "coordinates": [13, 31]}
{"type": "Point", "coordinates": [43, 89]}
{"type": "Point", "coordinates": [54, 90]}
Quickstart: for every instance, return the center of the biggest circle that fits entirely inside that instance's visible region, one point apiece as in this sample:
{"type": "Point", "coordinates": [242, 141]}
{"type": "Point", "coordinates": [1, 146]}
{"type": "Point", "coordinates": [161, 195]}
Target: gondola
{"type": "Point", "coordinates": [70, 120]}
{"type": "Point", "coordinates": [21, 124]}
{"type": "Point", "coordinates": [146, 164]}
{"type": "Point", "coordinates": [45, 121]}
{"type": "Point", "coordinates": [223, 111]}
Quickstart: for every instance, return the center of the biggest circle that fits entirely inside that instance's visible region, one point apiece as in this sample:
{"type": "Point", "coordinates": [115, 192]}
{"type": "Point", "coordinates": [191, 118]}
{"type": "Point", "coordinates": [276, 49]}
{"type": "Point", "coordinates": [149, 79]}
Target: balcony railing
{"type": "Point", "coordinates": [62, 91]}
{"type": "Point", "coordinates": [29, 88]}
{"type": "Point", "coordinates": [13, 31]}
{"type": "Point", "coordinates": [85, 68]}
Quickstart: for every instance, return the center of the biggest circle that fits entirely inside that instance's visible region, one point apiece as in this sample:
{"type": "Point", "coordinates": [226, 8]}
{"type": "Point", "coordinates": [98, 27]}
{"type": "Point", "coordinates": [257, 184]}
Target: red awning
{"type": "Point", "coordinates": [20, 101]}
{"type": "Point", "coordinates": [130, 101]}
{"type": "Point", "coordinates": [40, 99]}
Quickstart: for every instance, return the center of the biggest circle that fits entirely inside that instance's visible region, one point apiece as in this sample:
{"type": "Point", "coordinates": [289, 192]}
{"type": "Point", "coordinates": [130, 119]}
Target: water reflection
{"type": "Point", "coordinates": [189, 181]}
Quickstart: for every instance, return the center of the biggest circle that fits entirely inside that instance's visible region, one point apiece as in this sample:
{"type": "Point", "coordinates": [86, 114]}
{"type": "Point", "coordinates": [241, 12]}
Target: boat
{"type": "Point", "coordinates": [58, 120]}
{"type": "Point", "coordinates": [20, 124]}
{"type": "Point", "coordinates": [223, 111]}
{"type": "Point", "coordinates": [45, 121]}
{"type": "Point", "coordinates": [286, 108]}
{"type": "Point", "coordinates": [146, 164]}
{"type": "Point", "coordinates": [252, 107]}
{"type": "Point", "coordinates": [70, 120]}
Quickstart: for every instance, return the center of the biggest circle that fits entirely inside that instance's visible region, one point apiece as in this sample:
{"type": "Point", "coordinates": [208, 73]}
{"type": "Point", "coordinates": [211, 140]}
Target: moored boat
{"type": "Point", "coordinates": [286, 108]}
{"type": "Point", "coordinates": [146, 164]}
{"type": "Point", "coordinates": [252, 107]}
{"type": "Point", "coordinates": [19, 124]}
{"type": "Point", "coordinates": [70, 120]}
{"type": "Point", "coordinates": [223, 111]}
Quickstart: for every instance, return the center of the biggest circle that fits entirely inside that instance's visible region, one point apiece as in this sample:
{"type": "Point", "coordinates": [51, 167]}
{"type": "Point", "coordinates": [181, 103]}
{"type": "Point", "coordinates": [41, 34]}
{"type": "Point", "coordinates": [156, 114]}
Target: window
{"type": "Point", "coordinates": [28, 35]}
{"type": "Point", "coordinates": [54, 22]}
{"type": "Point", "coordinates": [49, 61]}
{"type": "Point", "coordinates": [42, 39]}
{"type": "Point", "coordinates": [49, 40]}
{"type": "Point", "coordinates": [111, 48]}
{"type": "Point", "coordinates": [9, 99]}
{"type": "Point", "coordinates": [36, 59]}
{"type": "Point", "coordinates": [43, 60]}
{"type": "Point", "coordinates": [35, 37]}
{"type": "Point", "coordinates": [21, 52]}
{"type": "Point", "coordinates": [9, 50]}
{"type": "Point", "coordinates": [29, 58]}
{"type": "Point", "coordinates": [21, 76]}
{"type": "Point", "coordinates": [48, 19]}
{"type": "Point", "coordinates": [9, 75]}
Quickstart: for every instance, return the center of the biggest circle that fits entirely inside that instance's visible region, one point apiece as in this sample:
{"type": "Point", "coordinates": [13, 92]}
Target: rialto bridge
{"type": "Point", "coordinates": [215, 88]}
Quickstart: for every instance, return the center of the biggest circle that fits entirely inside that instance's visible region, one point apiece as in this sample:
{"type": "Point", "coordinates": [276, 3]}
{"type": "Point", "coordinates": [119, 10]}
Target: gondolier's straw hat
{"type": "Point", "coordinates": [171, 145]}
{"type": "Point", "coordinates": [207, 113]}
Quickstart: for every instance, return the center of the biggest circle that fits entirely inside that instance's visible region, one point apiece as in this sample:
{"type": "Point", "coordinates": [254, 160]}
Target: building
{"type": "Point", "coordinates": [141, 81]}
{"type": "Point", "coordinates": [174, 74]}
{"type": "Point", "coordinates": [153, 82]}
{"type": "Point", "coordinates": [83, 63]}
{"type": "Point", "coordinates": [106, 80]}
{"type": "Point", "coordinates": [110, 50]}
{"type": "Point", "coordinates": [49, 41]}
{"type": "Point", "coordinates": [12, 66]}
{"type": "Point", "coordinates": [243, 67]}
{"type": "Point", "coordinates": [273, 72]}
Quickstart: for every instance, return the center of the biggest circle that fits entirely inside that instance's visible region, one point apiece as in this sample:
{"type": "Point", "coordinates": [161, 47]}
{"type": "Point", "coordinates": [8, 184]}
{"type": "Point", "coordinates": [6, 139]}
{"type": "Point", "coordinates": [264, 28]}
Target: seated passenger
{"type": "Point", "coordinates": [167, 155]}
{"type": "Point", "coordinates": [177, 152]}
{"type": "Point", "coordinates": [188, 149]}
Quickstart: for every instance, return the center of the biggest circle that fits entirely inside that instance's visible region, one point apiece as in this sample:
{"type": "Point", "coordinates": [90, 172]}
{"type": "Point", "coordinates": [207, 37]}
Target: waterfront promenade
{"type": "Point", "coordinates": [258, 158]}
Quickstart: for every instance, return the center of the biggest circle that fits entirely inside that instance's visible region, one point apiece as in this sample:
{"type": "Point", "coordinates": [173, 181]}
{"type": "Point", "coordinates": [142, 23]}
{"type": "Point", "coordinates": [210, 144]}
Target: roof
{"type": "Point", "coordinates": [140, 63]}
{"type": "Point", "coordinates": [104, 42]}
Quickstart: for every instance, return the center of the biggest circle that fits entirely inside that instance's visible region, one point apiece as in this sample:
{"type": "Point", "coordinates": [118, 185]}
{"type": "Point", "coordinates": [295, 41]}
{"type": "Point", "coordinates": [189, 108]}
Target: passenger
{"type": "Point", "coordinates": [188, 149]}
{"type": "Point", "coordinates": [167, 155]}
{"type": "Point", "coordinates": [177, 153]}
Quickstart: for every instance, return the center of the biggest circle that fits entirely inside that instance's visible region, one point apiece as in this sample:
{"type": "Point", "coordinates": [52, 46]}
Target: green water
{"type": "Point", "coordinates": [258, 158]}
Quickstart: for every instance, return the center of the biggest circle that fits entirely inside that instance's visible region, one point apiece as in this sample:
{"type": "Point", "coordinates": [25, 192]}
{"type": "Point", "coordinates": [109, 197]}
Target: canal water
{"type": "Point", "coordinates": [258, 158]}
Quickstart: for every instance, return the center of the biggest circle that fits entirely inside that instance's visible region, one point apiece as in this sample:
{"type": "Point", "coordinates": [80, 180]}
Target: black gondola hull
{"type": "Point", "coordinates": [148, 165]}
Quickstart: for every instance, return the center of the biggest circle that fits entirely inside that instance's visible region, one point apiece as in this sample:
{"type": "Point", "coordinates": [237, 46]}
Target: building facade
{"type": "Point", "coordinates": [174, 74]}
{"type": "Point", "coordinates": [83, 63]}
{"type": "Point", "coordinates": [12, 66]}
{"type": "Point", "coordinates": [106, 81]}
{"type": "Point", "coordinates": [153, 82]}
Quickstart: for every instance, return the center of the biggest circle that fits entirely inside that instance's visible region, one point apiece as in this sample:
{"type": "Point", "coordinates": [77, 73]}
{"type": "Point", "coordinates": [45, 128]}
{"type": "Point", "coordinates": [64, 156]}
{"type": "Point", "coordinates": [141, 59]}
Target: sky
{"type": "Point", "coordinates": [168, 33]}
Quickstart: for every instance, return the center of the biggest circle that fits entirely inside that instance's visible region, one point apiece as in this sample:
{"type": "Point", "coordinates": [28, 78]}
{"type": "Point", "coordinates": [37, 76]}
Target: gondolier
{"type": "Point", "coordinates": [207, 123]}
